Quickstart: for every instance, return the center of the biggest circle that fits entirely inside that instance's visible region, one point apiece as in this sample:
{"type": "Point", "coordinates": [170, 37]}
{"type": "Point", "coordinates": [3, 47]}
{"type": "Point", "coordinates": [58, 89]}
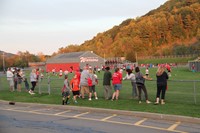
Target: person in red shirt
{"type": "Point", "coordinates": [78, 74]}
{"type": "Point", "coordinates": [74, 84]}
{"type": "Point", "coordinates": [117, 83]}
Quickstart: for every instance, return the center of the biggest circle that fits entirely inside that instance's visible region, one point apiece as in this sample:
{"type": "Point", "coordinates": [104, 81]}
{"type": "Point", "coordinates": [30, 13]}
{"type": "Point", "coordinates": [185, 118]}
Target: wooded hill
{"type": "Point", "coordinates": [173, 28]}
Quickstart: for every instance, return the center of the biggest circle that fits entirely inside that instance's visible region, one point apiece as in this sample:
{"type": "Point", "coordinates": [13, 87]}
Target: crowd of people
{"type": "Point", "coordinates": [87, 80]}
{"type": "Point", "coordinates": [16, 76]}
{"type": "Point", "coordinates": [83, 83]}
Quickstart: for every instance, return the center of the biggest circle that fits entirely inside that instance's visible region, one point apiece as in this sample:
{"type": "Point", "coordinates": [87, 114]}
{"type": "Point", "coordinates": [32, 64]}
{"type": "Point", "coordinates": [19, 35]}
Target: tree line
{"type": "Point", "coordinates": [173, 28]}
{"type": "Point", "coordinates": [21, 59]}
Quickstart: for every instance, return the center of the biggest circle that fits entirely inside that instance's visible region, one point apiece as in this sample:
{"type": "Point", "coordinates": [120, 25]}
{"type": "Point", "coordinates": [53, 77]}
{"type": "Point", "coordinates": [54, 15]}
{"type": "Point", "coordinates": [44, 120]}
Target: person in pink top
{"type": "Point", "coordinates": [117, 83]}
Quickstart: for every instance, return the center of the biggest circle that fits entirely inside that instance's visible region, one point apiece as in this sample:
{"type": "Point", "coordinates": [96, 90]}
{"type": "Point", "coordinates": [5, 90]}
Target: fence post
{"type": "Point", "coordinates": [1, 86]}
{"type": "Point", "coordinates": [195, 99]}
{"type": "Point", "coordinates": [49, 88]}
{"type": "Point", "coordinates": [39, 85]}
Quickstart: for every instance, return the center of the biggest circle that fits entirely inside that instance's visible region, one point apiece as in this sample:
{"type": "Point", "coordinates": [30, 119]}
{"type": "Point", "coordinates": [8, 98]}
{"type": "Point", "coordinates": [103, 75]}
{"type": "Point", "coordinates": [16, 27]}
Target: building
{"type": "Point", "coordinates": [73, 60]}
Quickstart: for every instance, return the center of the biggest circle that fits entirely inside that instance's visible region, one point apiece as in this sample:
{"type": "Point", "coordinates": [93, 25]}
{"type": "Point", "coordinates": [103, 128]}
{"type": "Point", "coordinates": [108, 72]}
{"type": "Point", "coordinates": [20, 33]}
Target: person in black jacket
{"type": "Point", "coordinates": [162, 78]}
{"type": "Point", "coordinates": [140, 81]}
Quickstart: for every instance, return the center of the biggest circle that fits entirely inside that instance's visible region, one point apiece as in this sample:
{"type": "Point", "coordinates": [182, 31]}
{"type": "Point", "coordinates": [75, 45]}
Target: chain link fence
{"type": "Point", "coordinates": [179, 91]}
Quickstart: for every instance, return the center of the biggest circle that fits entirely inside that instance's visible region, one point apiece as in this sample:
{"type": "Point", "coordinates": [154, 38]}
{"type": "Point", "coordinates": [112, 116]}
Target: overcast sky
{"type": "Point", "coordinates": [47, 25]}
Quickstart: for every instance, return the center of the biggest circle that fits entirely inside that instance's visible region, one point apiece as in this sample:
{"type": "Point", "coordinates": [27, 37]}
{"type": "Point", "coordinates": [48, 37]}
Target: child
{"type": "Point", "coordinates": [92, 81]}
{"type": "Point", "coordinates": [74, 84]}
{"type": "Point", "coordinates": [65, 91]}
{"type": "Point", "coordinates": [26, 84]}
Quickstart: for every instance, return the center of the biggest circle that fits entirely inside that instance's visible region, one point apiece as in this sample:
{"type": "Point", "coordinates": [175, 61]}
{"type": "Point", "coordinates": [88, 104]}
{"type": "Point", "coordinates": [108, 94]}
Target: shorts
{"type": "Point", "coordinates": [11, 82]}
{"type": "Point", "coordinates": [117, 87]}
{"type": "Point", "coordinates": [19, 80]}
{"type": "Point", "coordinates": [84, 89]}
{"type": "Point", "coordinates": [66, 94]}
{"type": "Point", "coordinates": [92, 88]}
{"type": "Point", "coordinates": [75, 93]}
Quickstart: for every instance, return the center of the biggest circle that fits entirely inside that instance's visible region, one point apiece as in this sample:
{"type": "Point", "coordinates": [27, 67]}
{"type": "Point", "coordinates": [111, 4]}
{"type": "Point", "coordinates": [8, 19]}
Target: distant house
{"type": "Point", "coordinates": [74, 60]}
{"type": "Point", "coordinates": [36, 64]}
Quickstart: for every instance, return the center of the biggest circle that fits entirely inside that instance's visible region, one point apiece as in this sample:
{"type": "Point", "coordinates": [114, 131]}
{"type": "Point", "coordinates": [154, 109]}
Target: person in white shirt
{"type": "Point", "coordinates": [60, 73]}
{"type": "Point", "coordinates": [131, 76]}
{"type": "Point", "coordinates": [147, 72]}
{"type": "Point", "coordinates": [10, 78]}
{"type": "Point", "coordinates": [33, 79]}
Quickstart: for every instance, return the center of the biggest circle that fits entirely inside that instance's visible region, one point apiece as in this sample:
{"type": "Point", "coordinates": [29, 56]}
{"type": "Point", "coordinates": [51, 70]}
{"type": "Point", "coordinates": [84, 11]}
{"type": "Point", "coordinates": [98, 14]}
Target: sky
{"type": "Point", "coordinates": [46, 25]}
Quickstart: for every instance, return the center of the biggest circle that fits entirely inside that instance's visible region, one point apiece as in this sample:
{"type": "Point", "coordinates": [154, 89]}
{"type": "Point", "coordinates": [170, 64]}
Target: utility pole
{"type": "Point", "coordinates": [136, 58]}
{"type": "Point", "coordinates": [104, 59]}
{"type": "Point", "coordinates": [3, 63]}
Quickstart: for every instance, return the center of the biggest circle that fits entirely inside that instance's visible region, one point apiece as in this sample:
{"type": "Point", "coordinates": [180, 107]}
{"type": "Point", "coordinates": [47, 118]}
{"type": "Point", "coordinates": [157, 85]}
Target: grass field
{"type": "Point", "coordinates": [180, 60]}
{"type": "Point", "coordinates": [182, 96]}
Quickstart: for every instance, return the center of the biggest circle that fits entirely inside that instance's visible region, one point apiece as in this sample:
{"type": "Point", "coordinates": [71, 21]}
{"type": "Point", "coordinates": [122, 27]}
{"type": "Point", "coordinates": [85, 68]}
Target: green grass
{"type": "Point", "coordinates": [179, 97]}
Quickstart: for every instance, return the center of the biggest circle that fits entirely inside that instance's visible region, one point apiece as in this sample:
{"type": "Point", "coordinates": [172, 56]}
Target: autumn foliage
{"type": "Point", "coordinates": [163, 31]}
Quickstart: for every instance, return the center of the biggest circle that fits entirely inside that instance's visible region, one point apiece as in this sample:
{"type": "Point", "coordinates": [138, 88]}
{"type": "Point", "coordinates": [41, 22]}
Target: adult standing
{"type": "Point", "coordinates": [60, 73]}
{"type": "Point", "coordinates": [10, 78]}
{"type": "Point", "coordinates": [162, 78]}
{"type": "Point", "coordinates": [19, 80]}
{"type": "Point", "coordinates": [33, 79]}
{"type": "Point", "coordinates": [117, 83]}
{"type": "Point", "coordinates": [140, 81]}
{"type": "Point", "coordinates": [131, 76]}
{"type": "Point", "coordinates": [106, 83]}
{"type": "Point", "coordinates": [15, 78]}
{"type": "Point", "coordinates": [84, 82]}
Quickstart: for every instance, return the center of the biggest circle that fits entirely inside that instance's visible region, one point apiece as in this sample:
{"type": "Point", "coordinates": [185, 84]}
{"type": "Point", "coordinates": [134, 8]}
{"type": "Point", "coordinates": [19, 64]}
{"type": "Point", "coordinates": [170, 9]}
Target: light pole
{"type": "Point", "coordinates": [136, 58]}
{"type": "Point", "coordinates": [104, 59]}
{"type": "Point", "coordinates": [3, 63]}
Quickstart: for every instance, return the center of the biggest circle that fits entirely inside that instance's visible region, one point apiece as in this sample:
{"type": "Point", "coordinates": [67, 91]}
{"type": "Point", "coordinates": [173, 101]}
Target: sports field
{"type": "Point", "coordinates": [182, 96]}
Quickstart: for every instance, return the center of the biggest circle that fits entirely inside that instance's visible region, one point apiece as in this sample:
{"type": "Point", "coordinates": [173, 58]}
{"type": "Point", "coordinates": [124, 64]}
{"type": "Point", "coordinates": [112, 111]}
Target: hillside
{"type": "Point", "coordinates": [6, 54]}
{"type": "Point", "coordinates": [173, 28]}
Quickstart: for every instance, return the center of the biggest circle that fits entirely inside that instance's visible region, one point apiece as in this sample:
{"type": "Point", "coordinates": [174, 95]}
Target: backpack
{"type": "Point", "coordinates": [139, 79]}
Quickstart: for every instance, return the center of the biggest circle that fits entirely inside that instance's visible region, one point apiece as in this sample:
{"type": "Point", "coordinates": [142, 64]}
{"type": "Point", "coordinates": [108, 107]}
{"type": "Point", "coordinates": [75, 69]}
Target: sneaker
{"type": "Point", "coordinates": [29, 92]}
{"type": "Point", "coordinates": [75, 102]}
{"type": "Point", "coordinates": [96, 98]}
{"type": "Point", "coordinates": [162, 102]}
{"type": "Point", "coordinates": [156, 103]}
{"type": "Point", "coordinates": [89, 99]}
{"type": "Point", "coordinates": [147, 101]}
{"type": "Point", "coordinates": [140, 102]}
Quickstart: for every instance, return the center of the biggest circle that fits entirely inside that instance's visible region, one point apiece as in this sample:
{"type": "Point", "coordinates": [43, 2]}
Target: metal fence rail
{"type": "Point", "coordinates": [179, 91]}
